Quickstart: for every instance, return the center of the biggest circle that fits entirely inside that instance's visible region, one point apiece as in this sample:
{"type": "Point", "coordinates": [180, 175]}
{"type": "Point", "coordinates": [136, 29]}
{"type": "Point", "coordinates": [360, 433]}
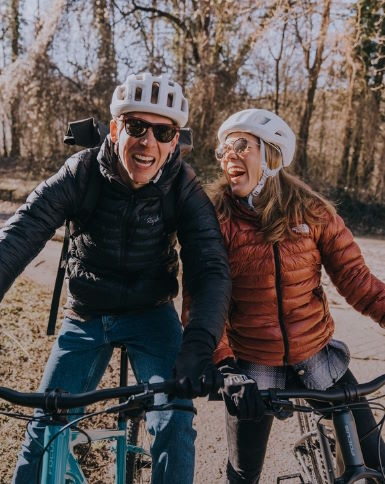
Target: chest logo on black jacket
{"type": "Point", "coordinates": [153, 219]}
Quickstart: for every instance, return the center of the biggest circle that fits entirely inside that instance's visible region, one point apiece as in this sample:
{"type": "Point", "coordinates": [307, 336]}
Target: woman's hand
{"type": "Point", "coordinates": [240, 392]}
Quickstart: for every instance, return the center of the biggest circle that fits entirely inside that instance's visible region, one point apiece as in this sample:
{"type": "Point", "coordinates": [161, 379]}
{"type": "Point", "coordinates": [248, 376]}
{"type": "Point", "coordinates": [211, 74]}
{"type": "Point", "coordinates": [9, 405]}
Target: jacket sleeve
{"type": "Point", "coordinates": [343, 261]}
{"type": "Point", "coordinates": [206, 272]}
{"type": "Point", "coordinates": [25, 234]}
{"type": "Point", "coordinates": [223, 350]}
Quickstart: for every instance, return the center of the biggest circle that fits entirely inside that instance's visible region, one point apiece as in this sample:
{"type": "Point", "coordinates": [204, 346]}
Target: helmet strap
{"type": "Point", "coordinates": [266, 173]}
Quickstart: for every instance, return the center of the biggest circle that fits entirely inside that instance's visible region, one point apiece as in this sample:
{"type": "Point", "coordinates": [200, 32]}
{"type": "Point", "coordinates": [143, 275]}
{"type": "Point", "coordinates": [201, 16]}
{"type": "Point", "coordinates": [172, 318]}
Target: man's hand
{"type": "Point", "coordinates": [194, 368]}
{"type": "Point", "coordinates": [240, 392]}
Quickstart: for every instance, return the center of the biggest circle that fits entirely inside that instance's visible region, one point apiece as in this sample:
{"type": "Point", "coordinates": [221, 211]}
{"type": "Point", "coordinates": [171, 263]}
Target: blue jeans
{"type": "Point", "coordinates": [77, 363]}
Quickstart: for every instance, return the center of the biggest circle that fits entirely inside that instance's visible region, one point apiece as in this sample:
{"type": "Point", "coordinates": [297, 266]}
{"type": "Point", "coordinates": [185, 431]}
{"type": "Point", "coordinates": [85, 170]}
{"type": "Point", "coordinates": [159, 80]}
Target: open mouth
{"type": "Point", "coordinates": [235, 173]}
{"type": "Point", "coordinates": [143, 161]}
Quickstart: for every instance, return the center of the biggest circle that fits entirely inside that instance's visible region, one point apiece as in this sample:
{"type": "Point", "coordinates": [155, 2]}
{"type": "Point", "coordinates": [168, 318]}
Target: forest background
{"type": "Point", "coordinates": [318, 64]}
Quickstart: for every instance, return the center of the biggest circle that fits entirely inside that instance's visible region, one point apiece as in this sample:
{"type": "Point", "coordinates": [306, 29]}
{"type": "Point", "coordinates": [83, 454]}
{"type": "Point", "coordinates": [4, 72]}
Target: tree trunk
{"type": "Point", "coordinates": [104, 79]}
{"type": "Point", "coordinates": [303, 134]}
{"type": "Point", "coordinates": [277, 61]}
{"type": "Point", "coordinates": [322, 129]}
{"type": "Point", "coordinates": [314, 70]}
{"type": "Point", "coordinates": [373, 128]}
{"type": "Point", "coordinates": [14, 26]}
{"type": "Point", "coordinates": [343, 174]}
{"type": "Point", "coordinates": [4, 132]}
{"type": "Point", "coordinates": [357, 148]}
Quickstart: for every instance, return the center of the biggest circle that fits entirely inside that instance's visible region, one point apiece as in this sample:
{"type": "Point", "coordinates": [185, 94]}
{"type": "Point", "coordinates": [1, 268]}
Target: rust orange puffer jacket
{"type": "Point", "coordinates": [279, 312]}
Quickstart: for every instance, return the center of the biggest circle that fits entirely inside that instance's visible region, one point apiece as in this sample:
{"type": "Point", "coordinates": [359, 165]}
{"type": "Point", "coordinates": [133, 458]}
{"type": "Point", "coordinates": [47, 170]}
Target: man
{"type": "Point", "coordinates": [122, 267]}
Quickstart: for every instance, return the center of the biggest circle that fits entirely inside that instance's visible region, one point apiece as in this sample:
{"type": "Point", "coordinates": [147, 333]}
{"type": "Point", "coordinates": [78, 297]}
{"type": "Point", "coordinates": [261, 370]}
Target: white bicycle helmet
{"type": "Point", "coordinates": [265, 125]}
{"type": "Point", "coordinates": [150, 94]}
{"type": "Point", "coordinates": [269, 128]}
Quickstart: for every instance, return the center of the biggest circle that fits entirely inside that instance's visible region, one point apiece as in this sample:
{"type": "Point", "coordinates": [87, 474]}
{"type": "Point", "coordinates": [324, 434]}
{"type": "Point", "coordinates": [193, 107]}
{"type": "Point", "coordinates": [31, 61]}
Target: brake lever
{"type": "Point", "coordinates": [281, 409]}
{"type": "Point", "coordinates": [141, 401]}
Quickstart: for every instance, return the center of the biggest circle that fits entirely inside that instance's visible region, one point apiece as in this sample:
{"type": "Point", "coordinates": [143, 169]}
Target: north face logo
{"type": "Point", "coordinates": [301, 229]}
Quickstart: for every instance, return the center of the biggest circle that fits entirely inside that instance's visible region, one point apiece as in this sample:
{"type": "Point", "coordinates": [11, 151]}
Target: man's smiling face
{"type": "Point", "coordinates": [141, 157]}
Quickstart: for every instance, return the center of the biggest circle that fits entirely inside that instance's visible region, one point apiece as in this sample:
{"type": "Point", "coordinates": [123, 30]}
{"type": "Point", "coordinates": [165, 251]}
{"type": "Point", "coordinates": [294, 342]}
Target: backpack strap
{"type": "Point", "coordinates": [59, 282]}
{"type": "Point", "coordinates": [91, 196]}
{"type": "Point", "coordinates": [72, 229]}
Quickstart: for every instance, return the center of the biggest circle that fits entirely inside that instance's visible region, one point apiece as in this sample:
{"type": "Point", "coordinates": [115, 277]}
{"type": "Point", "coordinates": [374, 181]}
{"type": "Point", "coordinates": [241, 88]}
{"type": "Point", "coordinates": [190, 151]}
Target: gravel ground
{"type": "Point", "coordinates": [24, 348]}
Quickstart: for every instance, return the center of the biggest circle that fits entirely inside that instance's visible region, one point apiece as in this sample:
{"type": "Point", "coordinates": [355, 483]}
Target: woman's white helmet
{"type": "Point", "coordinates": [150, 94]}
{"type": "Point", "coordinates": [265, 125]}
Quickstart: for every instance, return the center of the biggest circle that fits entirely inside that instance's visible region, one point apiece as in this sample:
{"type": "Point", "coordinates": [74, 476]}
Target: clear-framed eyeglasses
{"type": "Point", "coordinates": [238, 146]}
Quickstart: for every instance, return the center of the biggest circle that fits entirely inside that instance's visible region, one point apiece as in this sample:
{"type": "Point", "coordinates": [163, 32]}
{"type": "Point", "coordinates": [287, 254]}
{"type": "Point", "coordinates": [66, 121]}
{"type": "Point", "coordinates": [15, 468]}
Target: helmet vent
{"type": "Point", "coordinates": [264, 120]}
{"type": "Point", "coordinates": [138, 94]}
{"type": "Point", "coordinates": [278, 133]}
{"type": "Point", "coordinates": [170, 99]}
{"type": "Point", "coordinates": [155, 92]}
{"type": "Point", "coordinates": [121, 93]}
{"type": "Point", "coordinates": [183, 106]}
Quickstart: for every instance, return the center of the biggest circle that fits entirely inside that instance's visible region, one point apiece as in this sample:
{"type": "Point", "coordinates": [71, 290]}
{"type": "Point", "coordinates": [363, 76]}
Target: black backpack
{"type": "Point", "coordinates": [89, 133]}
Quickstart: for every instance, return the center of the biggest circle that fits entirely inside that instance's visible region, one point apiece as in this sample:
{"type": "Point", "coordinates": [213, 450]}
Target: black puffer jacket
{"type": "Point", "coordinates": [124, 260]}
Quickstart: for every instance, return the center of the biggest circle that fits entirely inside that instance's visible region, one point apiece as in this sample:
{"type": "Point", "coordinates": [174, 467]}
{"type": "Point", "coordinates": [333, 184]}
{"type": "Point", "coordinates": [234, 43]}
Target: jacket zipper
{"type": "Point", "coordinates": [279, 300]}
{"type": "Point", "coordinates": [126, 215]}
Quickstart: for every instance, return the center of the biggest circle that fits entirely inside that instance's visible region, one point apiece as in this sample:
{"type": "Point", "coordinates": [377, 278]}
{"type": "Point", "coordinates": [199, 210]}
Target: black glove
{"type": "Point", "coordinates": [240, 392]}
{"type": "Point", "coordinates": [194, 368]}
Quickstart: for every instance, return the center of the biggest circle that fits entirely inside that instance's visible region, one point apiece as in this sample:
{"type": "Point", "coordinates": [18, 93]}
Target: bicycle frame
{"type": "Point", "coordinates": [350, 451]}
{"type": "Point", "coordinates": [345, 431]}
{"type": "Point", "coordinates": [60, 464]}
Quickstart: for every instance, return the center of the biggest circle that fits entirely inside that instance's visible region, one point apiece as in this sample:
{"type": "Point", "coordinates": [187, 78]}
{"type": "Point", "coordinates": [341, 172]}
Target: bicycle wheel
{"type": "Point", "coordinates": [138, 459]}
{"type": "Point", "coordinates": [315, 450]}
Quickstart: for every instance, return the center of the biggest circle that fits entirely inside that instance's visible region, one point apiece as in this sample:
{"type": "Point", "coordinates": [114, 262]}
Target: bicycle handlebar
{"type": "Point", "coordinates": [58, 399]}
{"type": "Point", "coordinates": [347, 393]}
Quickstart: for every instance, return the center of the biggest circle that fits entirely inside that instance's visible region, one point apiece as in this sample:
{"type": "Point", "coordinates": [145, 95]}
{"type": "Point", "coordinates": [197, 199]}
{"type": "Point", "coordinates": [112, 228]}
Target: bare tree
{"type": "Point", "coordinates": [14, 31]}
{"type": "Point", "coordinates": [278, 56]}
{"type": "Point", "coordinates": [354, 91]}
{"type": "Point", "coordinates": [104, 77]}
{"type": "Point", "coordinates": [23, 67]}
{"type": "Point", "coordinates": [313, 69]}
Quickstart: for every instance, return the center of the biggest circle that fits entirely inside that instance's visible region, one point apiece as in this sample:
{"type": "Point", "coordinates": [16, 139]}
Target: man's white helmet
{"type": "Point", "coordinates": [150, 94]}
{"type": "Point", "coordinates": [265, 125]}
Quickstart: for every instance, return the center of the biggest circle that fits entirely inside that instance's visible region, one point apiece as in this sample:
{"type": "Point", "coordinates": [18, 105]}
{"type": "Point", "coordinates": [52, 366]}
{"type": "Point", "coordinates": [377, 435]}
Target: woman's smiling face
{"type": "Point", "coordinates": [242, 170]}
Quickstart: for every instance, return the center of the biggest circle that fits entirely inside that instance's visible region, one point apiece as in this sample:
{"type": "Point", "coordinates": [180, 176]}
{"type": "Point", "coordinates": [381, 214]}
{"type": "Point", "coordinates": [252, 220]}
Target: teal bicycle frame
{"type": "Point", "coordinates": [60, 466]}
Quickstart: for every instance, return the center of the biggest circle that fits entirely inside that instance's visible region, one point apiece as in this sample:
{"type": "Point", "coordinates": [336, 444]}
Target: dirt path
{"type": "Point", "coordinates": [365, 339]}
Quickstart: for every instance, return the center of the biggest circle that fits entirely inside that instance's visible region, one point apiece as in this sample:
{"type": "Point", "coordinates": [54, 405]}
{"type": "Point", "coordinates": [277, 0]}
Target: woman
{"type": "Point", "coordinates": [279, 333]}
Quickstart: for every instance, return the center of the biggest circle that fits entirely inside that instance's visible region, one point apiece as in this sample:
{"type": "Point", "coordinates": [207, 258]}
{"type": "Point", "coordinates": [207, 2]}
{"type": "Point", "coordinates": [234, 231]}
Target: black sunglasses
{"type": "Point", "coordinates": [136, 127]}
{"type": "Point", "coordinates": [238, 146]}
